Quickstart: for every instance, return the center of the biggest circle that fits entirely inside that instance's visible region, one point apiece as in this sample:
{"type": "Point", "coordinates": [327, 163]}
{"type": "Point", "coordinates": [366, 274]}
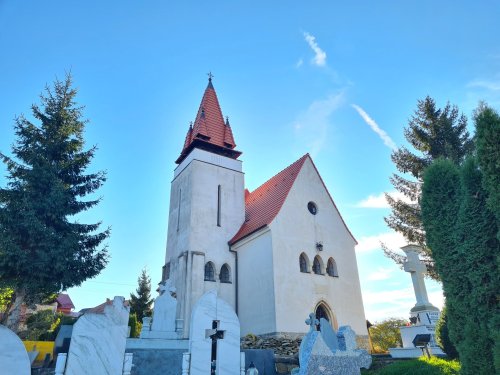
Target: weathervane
{"type": "Point", "coordinates": [210, 76]}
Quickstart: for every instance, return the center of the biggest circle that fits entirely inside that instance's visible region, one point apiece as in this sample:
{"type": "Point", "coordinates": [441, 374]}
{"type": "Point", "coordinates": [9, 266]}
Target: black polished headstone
{"type": "Point", "coordinates": [263, 359]}
{"type": "Point", "coordinates": [63, 339]}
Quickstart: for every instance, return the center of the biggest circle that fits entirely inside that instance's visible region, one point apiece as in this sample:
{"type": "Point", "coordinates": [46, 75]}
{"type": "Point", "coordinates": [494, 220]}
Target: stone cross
{"type": "Point", "coordinates": [417, 269]}
{"type": "Point", "coordinates": [312, 322]}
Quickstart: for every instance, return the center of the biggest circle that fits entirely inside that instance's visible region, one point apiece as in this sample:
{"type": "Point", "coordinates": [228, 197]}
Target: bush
{"type": "Point", "coordinates": [421, 366]}
{"type": "Point", "coordinates": [443, 338]}
{"type": "Point", "coordinates": [42, 325]}
{"type": "Point", "coordinates": [135, 326]}
{"type": "Point", "coordinates": [385, 334]}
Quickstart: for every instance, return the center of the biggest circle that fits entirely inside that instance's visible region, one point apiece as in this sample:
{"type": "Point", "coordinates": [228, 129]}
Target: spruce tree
{"type": "Point", "coordinates": [44, 249]}
{"type": "Point", "coordinates": [141, 302]}
{"type": "Point", "coordinates": [433, 133]}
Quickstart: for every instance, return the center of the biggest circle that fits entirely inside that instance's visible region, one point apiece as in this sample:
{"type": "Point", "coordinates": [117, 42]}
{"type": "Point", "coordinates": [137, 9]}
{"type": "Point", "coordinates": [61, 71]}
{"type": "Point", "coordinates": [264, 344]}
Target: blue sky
{"type": "Point", "coordinates": [336, 80]}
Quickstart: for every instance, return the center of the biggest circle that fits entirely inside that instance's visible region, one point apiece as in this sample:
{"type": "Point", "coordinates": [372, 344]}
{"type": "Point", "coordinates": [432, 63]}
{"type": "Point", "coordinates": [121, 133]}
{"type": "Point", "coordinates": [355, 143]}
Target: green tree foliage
{"type": "Point", "coordinates": [135, 326]}
{"type": "Point", "coordinates": [433, 133]}
{"type": "Point", "coordinates": [43, 247]}
{"type": "Point", "coordinates": [443, 336]}
{"type": "Point", "coordinates": [42, 325]}
{"type": "Point", "coordinates": [461, 231]}
{"type": "Point", "coordinates": [487, 123]}
{"type": "Point", "coordinates": [385, 334]}
{"type": "Point", "coordinates": [141, 302]}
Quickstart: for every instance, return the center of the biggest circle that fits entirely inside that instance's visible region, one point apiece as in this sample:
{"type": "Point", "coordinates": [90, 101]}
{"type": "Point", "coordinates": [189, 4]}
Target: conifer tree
{"type": "Point", "coordinates": [43, 247]}
{"type": "Point", "coordinates": [433, 133]}
{"type": "Point", "coordinates": [141, 302]}
{"type": "Point", "coordinates": [461, 231]}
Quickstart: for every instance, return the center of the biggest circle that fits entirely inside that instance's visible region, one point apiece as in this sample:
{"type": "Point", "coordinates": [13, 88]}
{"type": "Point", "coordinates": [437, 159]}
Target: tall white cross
{"type": "Point", "coordinates": [417, 269]}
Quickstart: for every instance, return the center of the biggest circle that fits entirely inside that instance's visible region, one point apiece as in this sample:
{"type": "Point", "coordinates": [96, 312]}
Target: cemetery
{"type": "Point", "coordinates": [202, 325]}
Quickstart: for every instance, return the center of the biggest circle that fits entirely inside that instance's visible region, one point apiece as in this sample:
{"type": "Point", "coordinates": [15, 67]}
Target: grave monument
{"type": "Point", "coordinates": [324, 352]}
{"type": "Point", "coordinates": [423, 315]}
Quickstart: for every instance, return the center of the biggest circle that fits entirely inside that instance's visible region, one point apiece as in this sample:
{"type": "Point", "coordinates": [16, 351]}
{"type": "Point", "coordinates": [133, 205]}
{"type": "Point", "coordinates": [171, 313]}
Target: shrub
{"type": "Point", "coordinates": [385, 334]}
{"type": "Point", "coordinates": [443, 338]}
{"type": "Point", "coordinates": [421, 366]}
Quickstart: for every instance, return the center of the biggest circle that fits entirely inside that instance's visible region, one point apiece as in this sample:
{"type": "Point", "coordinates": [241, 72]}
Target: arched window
{"type": "Point", "coordinates": [331, 268]}
{"type": "Point", "coordinates": [209, 271]}
{"type": "Point", "coordinates": [166, 272]}
{"type": "Point", "coordinates": [317, 265]}
{"type": "Point", "coordinates": [304, 263]}
{"type": "Point", "coordinates": [225, 275]}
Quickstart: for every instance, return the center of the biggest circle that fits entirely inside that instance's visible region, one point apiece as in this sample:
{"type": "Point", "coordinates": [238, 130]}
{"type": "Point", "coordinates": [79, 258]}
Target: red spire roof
{"type": "Point", "coordinates": [209, 132]}
{"type": "Point", "coordinates": [263, 204]}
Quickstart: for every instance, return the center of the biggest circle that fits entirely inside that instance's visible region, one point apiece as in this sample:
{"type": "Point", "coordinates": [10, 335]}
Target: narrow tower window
{"type": "Point", "coordinates": [218, 206]}
{"type": "Point", "coordinates": [179, 209]}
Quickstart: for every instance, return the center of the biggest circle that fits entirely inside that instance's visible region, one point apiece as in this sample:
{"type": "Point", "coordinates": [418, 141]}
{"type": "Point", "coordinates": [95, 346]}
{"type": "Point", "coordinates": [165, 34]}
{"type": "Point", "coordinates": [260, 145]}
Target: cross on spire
{"type": "Point", "coordinates": [210, 76]}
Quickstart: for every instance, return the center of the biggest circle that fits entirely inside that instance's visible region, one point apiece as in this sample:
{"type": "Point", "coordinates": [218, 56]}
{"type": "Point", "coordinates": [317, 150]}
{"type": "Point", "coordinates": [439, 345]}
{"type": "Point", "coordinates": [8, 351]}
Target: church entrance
{"type": "Point", "coordinates": [323, 311]}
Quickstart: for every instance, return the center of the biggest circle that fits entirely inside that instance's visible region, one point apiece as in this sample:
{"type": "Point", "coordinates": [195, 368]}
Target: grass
{"type": "Point", "coordinates": [421, 366]}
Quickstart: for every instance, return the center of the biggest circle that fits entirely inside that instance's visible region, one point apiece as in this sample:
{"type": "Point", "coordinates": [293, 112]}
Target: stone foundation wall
{"type": "Point", "coordinates": [282, 344]}
{"type": "Point", "coordinates": [286, 344]}
{"type": "Point", "coordinates": [363, 342]}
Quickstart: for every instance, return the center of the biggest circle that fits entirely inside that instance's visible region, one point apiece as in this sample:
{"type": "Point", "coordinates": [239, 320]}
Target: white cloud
{"type": "Point", "coordinates": [311, 126]}
{"type": "Point", "coordinates": [299, 63]}
{"type": "Point", "coordinates": [380, 274]}
{"type": "Point", "coordinates": [374, 126]}
{"type": "Point", "coordinates": [379, 201]}
{"type": "Point", "coordinates": [319, 58]}
{"type": "Point", "coordinates": [485, 84]}
{"type": "Point", "coordinates": [393, 240]}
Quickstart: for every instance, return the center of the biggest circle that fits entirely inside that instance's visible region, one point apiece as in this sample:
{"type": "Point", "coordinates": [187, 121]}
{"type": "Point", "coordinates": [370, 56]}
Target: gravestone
{"type": "Point", "coordinates": [163, 324]}
{"type": "Point", "coordinates": [316, 356]}
{"type": "Point", "coordinates": [423, 316]}
{"type": "Point", "coordinates": [98, 340]}
{"type": "Point", "coordinates": [329, 334]}
{"type": "Point", "coordinates": [263, 360]}
{"type": "Point", "coordinates": [13, 356]}
{"type": "Point", "coordinates": [214, 343]}
{"type": "Point", "coordinates": [63, 339]}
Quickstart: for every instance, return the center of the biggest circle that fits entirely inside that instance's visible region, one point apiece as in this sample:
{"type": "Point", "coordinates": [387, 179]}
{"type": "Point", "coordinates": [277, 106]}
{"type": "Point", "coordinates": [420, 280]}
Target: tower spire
{"type": "Point", "coordinates": [209, 131]}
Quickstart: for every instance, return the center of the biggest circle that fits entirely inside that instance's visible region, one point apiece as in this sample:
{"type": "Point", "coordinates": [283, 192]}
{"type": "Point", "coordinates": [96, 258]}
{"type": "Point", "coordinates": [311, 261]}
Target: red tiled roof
{"type": "Point", "coordinates": [263, 204]}
{"type": "Point", "coordinates": [64, 301]}
{"type": "Point", "coordinates": [209, 131]}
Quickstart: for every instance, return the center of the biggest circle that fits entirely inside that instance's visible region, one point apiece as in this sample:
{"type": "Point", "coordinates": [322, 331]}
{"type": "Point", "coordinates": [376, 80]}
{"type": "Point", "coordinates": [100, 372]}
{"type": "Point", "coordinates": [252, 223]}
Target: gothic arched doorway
{"type": "Point", "coordinates": [323, 311]}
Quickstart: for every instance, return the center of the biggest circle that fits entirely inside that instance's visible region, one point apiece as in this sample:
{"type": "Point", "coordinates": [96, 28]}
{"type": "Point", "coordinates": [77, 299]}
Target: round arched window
{"type": "Point", "coordinates": [311, 206]}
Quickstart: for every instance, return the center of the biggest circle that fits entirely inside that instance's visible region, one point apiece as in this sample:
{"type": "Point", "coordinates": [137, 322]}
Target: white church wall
{"type": "Point", "coordinates": [296, 230]}
{"type": "Point", "coordinates": [193, 224]}
{"type": "Point", "coordinates": [256, 308]}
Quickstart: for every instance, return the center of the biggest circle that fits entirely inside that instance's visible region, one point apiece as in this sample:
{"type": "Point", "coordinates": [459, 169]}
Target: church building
{"type": "Point", "coordinates": [275, 254]}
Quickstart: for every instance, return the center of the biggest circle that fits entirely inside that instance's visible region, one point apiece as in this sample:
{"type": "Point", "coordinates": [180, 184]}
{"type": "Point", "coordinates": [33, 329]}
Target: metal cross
{"type": "Point", "coordinates": [210, 76]}
{"type": "Point", "coordinates": [214, 334]}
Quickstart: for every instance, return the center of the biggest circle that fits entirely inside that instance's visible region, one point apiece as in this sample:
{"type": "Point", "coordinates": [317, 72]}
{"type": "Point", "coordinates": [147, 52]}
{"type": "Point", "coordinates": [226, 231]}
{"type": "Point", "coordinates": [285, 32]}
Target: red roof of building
{"type": "Point", "coordinates": [209, 131]}
{"type": "Point", "coordinates": [64, 301]}
{"type": "Point", "coordinates": [263, 204]}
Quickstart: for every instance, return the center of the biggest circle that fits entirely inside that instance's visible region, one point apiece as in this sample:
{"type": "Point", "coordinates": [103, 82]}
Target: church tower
{"type": "Point", "coordinates": [207, 208]}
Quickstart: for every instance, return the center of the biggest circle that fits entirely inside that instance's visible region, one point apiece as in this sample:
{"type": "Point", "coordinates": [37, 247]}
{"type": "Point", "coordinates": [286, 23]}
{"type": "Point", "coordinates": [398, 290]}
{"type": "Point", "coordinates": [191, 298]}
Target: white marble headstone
{"type": "Point", "coordinates": [165, 308]}
{"type": "Point", "coordinates": [208, 309]}
{"type": "Point", "coordinates": [98, 340]}
{"type": "Point", "coordinates": [13, 356]}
